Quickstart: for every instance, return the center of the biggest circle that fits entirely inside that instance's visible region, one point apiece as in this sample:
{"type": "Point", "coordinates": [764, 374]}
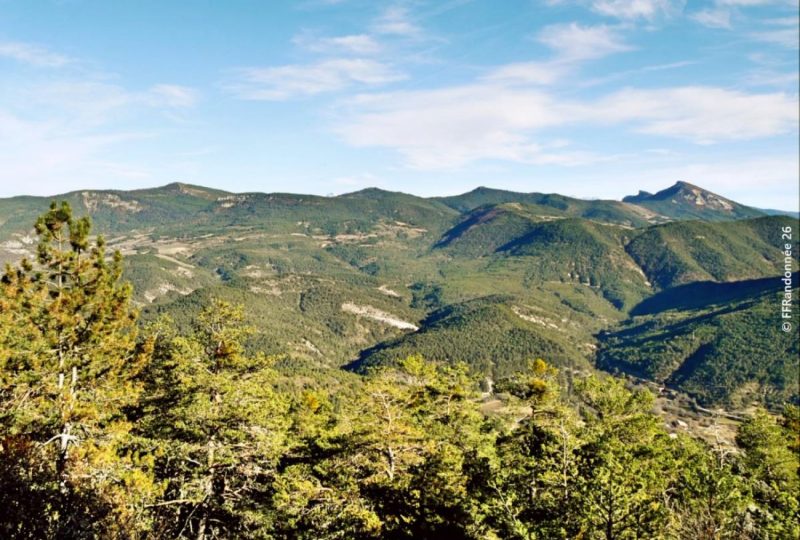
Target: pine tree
{"type": "Point", "coordinates": [68, 362]}
{"type": "Point", "coordinates": [771, 468]}
{"type": "Point", "coordinates": [625, 463]}
{"type": "Point", "coordinates": [710, 500]}
{"type": "Point", "coordinates": [220, 426]}
{"type": "Point", "coordinates": [535, 484]}
{"type": "Point", "coordinates": [397, 464]}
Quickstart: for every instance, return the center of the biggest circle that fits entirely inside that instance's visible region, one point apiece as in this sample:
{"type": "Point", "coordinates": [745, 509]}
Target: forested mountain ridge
{"type": "Point", "coordinates": [177, 203]}
{"type": "Point", "coordinates": [115, 429]}
{"type": "Point", "coordinates": [368, 277]}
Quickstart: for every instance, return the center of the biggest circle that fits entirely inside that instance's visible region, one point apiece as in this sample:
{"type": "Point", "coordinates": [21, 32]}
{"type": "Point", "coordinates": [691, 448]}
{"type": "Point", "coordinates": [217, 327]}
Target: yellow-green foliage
{"type": "Point", "coordinates": [187, 434]}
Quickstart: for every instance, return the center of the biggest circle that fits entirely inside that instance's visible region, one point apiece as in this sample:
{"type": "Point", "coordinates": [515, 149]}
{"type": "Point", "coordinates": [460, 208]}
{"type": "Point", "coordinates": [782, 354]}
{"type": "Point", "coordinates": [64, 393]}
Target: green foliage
{"type": "Point", "coordinates": [566, 250]}
{"type": "Point", "coordinates": [396, 463]}
{"type": "Point", "coordinates": [68, 363]}
{"type": "Point", "coordinates": [549, 205]}
{"type": "Point", "coordinates": [683, 252]}
{"type": "Point", "coordinates": [772, 469]}
{"type": "Point", "coordinates": [731, 353]}
{"type": "Point", "coordinates": [224, 446]}
{"type": "Point", "coordinates": [569, 269]}
{"type": "Point", "coordinates": [218, 426]}
{"type": "Point", "coordinates": [487, 334]}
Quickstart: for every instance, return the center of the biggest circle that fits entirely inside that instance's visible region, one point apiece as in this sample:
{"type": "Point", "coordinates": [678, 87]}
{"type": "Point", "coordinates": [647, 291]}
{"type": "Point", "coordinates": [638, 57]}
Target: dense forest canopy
{"type": "Point", "coordinates": [115, 429]}
{"type": "Point", "coordinates": [676, 287]}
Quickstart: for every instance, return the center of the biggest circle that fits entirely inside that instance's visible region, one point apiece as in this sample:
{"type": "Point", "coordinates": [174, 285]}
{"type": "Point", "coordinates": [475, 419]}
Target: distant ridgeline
{"type": "Point", "coordinates": [681, 287]}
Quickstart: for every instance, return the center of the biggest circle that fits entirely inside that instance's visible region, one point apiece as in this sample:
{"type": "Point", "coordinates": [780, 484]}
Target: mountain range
{"type": "Point", "coordinates": [680, 286]}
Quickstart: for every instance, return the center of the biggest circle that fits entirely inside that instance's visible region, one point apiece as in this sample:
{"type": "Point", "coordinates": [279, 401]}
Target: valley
{"type": "Point", "coordinates": [676, 287]}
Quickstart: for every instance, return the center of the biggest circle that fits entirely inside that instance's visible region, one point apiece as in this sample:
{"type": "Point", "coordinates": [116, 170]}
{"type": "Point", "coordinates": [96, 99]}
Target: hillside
{"type": "Point", "coordinates": [728, 349]}
{"type": "Point", "coordinates": [118, 211]}
{"type": "Point", "coordinates": [687, 251]}
{"type": "Point", "coordinates": [489, 277]}
{"type": "Point", "coordinates": [495, 336]}
{"type": "Point", "coordinates": [484, 230]}
{"type": "Point", "coordinates": [553, 248]}
{"type": "Point", "coordinates": [554, 204]}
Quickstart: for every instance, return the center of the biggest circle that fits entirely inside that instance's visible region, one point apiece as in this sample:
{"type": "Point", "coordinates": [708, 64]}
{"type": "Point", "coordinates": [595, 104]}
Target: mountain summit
{"type": "Point", "coordinates": [685, 201]}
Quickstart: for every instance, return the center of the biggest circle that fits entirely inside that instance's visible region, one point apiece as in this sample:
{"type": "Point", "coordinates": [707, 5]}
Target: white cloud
{"type": "Point", "coordinates": [451, 127]}
{"type": "Point", "coordinates": [298, 80]}
{"type": "Point", "coordinates": [573, 42]}
{"type": "Point", "coordinates": [670, 65]}
{"type": "Point", "coordinates": [396, 21]}
{"type": "Point", "coordinates": [91, 103]}
{"type": "Point", "coordinates": [782, 31]}
{"type": "Point", "coordinates": [636, 9]}
{"type": "Point", "coordinates": [536, 73]}
{"type": "Point", "coordinates": [767, 77]}
{"type": "Point", "coordinates": [700, 114]}
{"type": "Point", "coordinates": [172, 95]}
{"type": "Point", "coordinates": [713, 18]}
{"type": "Point", "coordinates": [49, 151]}
{"type": "Point", "coordinates": [785, 37]}
{"type": "Point", "coordinates": [720, 15]}
{"type": "Point", "coordinates": [783, 21]}
{"type": "Point", "coordinates": [748, 3]}
{"type": "Point", "coordinates": [31, 54]}
{"type": "Point", "coordinates": [64, 130]}
{"type": "Point", "coordinates": [361, 44]}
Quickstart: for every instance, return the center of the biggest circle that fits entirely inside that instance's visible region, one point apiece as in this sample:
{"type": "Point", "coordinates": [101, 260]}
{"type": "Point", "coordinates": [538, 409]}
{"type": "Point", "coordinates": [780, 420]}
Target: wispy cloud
{"type": "Point", "coordinates": [67, 125]}
{"type": "Point", "coordinates": [454, 126]}
{"type": "Point", "coordinates": [536, 73]}
{"type": "Point", "coordinates": [396, 20]}
{"type": "Point", "coordinates": [172, 95]}
{"type": "Point", "coordinates": [670, 65]}
{"type": "Point", "coordinates": [704, 115]}
{"type": "Point", "coordinates": [784, 37]}
{"type": "Point", "coordinates": [773, 78]}
{"type": "Point", "coordinates": [636, 9]}
{"type": "Point", "coordinates": [360, 44]}
{"type": "Point", "coordinates": [450, 127]}
{"type": "Point", "coordinates": [301, 80]}
{"type": "Point", "coordinates": [751, 3]}
{"type": "Point", "coordinates": [723, 12]}
{"type": "Point", "coordinates": [572, 44]}
{"type": "Point", "coordinates": [57, 148]}
{"type": "Point", "coordinates": [32, 54]}
{"type": "Point", "coordinates": [713, 18]}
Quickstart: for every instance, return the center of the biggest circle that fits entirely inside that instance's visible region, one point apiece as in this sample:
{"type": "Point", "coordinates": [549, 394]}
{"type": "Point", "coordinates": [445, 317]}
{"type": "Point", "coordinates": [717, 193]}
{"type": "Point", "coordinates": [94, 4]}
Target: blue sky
{"type": "Point", "coordinates": [590, 98]}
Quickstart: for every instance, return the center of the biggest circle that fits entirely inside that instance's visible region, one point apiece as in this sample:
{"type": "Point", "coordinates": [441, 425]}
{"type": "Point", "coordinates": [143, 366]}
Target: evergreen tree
{"type": "Point", "coordinates": [68, 362]}
{"type": "Point", "coordinates": [398, 462]}
{"type": "Point", "coordinates": [710, 500]}
{"type": "Point", "coordinates": [625, 463]}
{"type": "Point", "coordinates": [535, 485]}
{"type": "Point", "coordinates": [219, 425]}
{"type": "Point", "coordinates": [770, 465]}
